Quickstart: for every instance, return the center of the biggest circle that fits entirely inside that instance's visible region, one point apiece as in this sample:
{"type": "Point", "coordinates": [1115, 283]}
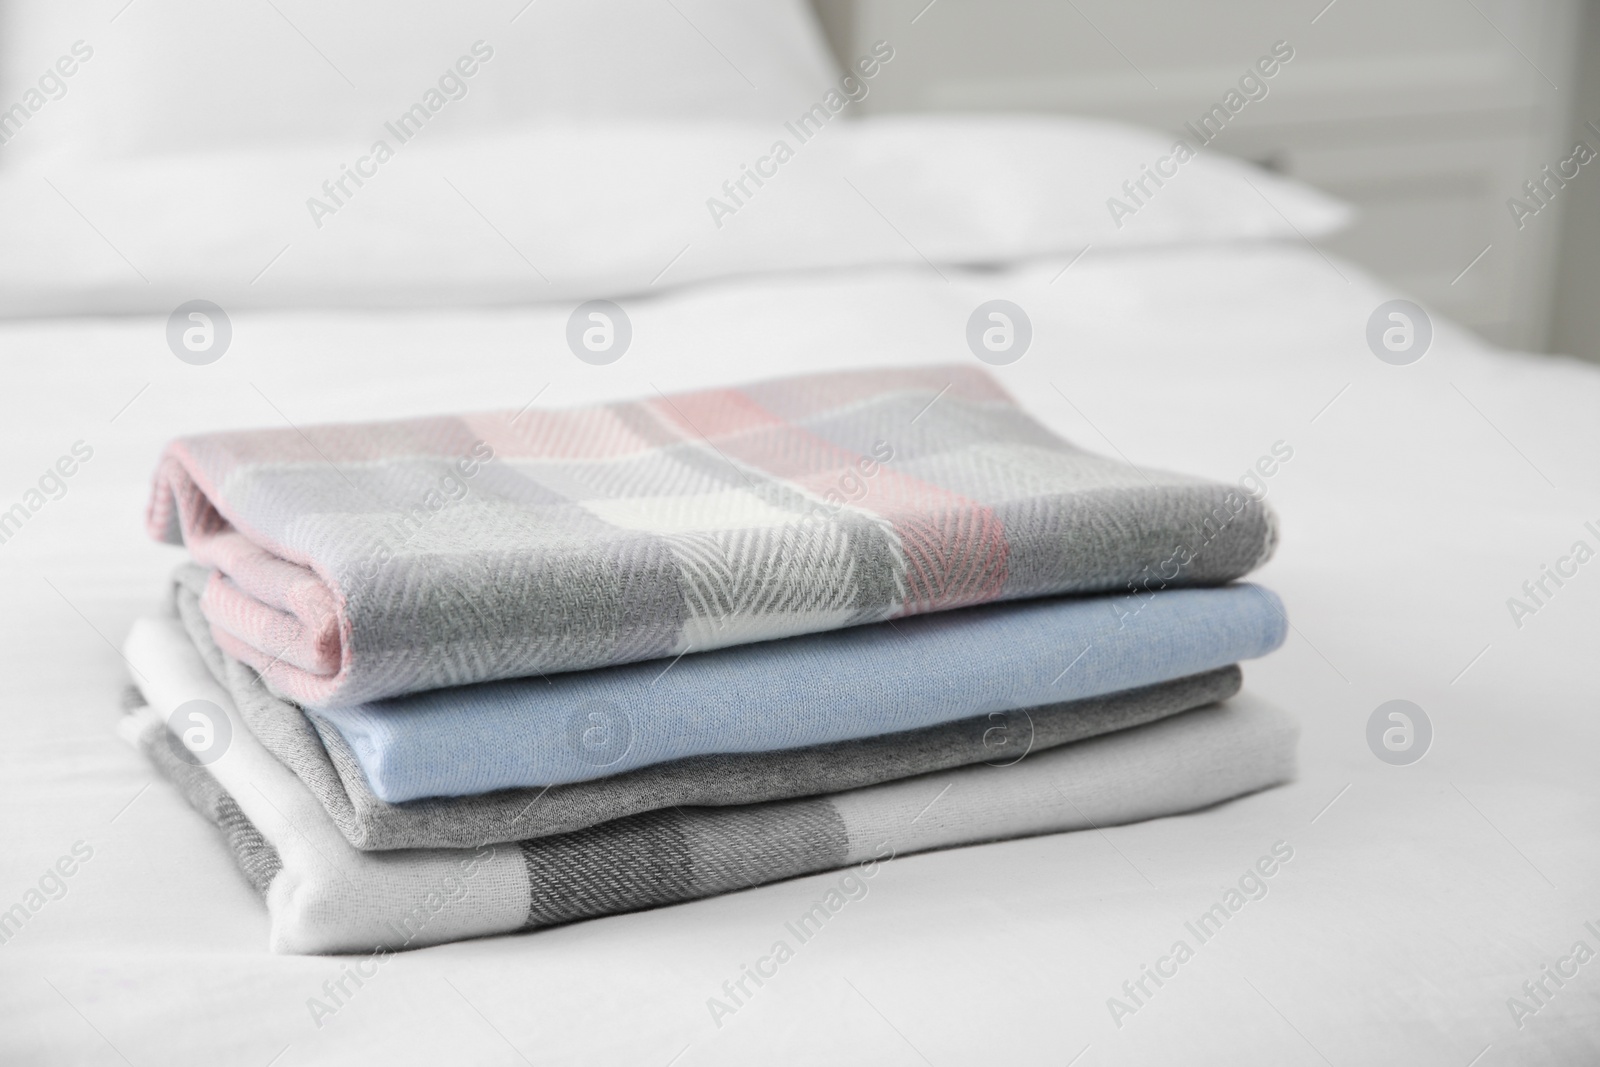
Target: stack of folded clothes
{"type": "Point", "coordinates": [449, 677]}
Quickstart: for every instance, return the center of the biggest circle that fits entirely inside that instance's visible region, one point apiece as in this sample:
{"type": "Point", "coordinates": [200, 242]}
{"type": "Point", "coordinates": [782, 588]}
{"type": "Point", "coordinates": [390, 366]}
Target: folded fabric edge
{"type": "Point", "coordinates": [321, 760]}
{"type": "Point", "coordinates": [257, 860]}
{"type": "Point", "coordinates": [1184, 763]}
{"type": "Point", "coordinates": [775, 695]}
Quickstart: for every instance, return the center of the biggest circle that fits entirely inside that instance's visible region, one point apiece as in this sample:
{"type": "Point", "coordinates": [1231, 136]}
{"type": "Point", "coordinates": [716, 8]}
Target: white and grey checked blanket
{"type": "Point", "coordinates": [353, 562]}
{"type": "Point", "coordinates": [324, 895]}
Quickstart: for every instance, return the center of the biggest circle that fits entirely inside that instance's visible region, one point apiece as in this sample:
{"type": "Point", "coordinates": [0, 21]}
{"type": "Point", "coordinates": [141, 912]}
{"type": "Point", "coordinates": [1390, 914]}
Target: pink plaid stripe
{"type": "Point", "coordinates": [955, 548]}
{"type": "Point", "coordinates": [360, 561]}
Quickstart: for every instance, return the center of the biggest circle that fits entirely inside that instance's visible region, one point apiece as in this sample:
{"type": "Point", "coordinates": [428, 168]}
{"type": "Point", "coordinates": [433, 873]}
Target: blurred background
{"type": "Point", "coordinates": [156, 153]}
{"type": "Point", "coordinates": [1431, 116]}
{"type": "Point", "coordinates": [1428, 115]}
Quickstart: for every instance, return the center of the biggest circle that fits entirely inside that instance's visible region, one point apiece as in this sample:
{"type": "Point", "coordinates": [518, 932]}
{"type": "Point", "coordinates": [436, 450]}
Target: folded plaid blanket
{"type": "Point", "coordinates": [356, 562]}
{"type": "Point", "coordinates": [323, 895]}
{"type": "Point", "coordinates": [327, 767]}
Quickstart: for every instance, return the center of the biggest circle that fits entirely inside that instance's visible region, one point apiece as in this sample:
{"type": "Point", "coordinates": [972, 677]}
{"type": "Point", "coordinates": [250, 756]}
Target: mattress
{"type": "Point", "coordinates": [1412, 906]}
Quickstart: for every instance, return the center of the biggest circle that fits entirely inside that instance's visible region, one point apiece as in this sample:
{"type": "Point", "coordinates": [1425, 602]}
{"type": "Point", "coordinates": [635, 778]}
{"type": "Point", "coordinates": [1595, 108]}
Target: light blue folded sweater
{"type": "Point", "coordinates": [856, 682]}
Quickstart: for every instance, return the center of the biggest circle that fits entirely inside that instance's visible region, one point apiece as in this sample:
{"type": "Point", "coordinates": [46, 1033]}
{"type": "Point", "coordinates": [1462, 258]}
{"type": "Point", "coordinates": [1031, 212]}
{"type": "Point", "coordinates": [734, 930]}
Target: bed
{"type": "Point", "coordinates": [1414, 906]}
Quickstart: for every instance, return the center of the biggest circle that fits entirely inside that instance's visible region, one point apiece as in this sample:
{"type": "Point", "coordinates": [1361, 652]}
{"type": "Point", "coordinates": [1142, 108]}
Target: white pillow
{"type": "Point", "coordinates": [187, 75]}
{"type": "Point", "coordinates": [572, 212]}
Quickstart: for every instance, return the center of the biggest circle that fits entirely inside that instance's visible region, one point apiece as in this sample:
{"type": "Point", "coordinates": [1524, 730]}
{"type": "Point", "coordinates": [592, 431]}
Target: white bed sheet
{"type": "Point", "coordinates": [1418, 901]}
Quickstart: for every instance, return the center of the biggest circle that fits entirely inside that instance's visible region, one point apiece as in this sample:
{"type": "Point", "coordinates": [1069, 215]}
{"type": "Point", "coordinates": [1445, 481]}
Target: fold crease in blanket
{"type": "Point", "coordinates": [328, 896]}
{"type": "Point", "coordinates": [356, 562]}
